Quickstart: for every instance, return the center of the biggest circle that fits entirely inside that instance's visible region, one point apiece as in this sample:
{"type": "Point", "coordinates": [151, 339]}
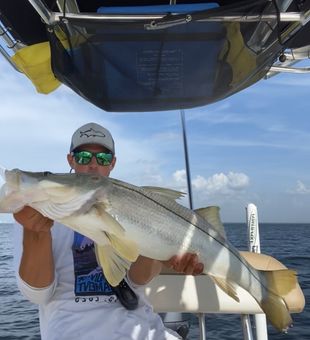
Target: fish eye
{"type": "Point", "coordinates": [46, 173]}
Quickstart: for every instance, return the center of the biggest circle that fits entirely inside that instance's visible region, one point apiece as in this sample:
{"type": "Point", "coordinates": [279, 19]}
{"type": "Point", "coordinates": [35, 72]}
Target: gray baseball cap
{"type": "Point", "coordinates": [92, 133]}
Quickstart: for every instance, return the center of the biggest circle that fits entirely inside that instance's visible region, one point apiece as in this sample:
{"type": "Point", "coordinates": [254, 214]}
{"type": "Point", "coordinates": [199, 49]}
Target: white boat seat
{"type": "Point", "coordinates": [175, 292]}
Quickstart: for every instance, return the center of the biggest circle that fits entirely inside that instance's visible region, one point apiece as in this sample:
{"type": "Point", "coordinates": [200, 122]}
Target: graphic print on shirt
{"type": "Point", "coordinates": [89, 277]}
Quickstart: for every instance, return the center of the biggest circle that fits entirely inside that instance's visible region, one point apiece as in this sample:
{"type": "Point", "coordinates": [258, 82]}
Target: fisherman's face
{"type": "Point", "coordinates": [93, 167]}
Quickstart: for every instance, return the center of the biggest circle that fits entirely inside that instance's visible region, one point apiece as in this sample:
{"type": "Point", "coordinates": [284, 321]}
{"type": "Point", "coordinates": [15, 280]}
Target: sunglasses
{"type": "Point", "coordinates": [84, 157]}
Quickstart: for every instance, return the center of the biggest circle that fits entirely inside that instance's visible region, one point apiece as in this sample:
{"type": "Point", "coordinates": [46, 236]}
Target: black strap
{"type": "Point", "coordinates": [126, 295]}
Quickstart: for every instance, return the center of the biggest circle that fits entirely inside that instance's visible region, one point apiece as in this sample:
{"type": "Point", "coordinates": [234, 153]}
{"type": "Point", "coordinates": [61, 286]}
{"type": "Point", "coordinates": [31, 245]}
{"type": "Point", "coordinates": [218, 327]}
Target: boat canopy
{"type": "Point", "coordinates": [155, 56]}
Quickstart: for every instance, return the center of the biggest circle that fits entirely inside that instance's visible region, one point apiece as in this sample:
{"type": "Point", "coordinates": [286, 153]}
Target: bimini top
{"type": "Point", "coordinates": [153, 57]}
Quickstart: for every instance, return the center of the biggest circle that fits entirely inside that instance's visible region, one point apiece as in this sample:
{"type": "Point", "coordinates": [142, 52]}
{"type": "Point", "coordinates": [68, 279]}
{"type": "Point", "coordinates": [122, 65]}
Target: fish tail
{"type": "Point", "coordinates": [280, 283]}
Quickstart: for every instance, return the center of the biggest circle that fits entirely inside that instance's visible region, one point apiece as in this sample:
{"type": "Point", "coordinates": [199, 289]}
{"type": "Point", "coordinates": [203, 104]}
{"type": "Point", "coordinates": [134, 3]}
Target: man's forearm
{"type": "Point", "coordinates": [37, 263]}
{"type": "Point", "coordinates": [144, 270]}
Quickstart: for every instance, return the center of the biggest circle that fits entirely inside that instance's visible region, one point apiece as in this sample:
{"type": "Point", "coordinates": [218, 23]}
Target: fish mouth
{"type": "Point", "coordinates": [2, 172]}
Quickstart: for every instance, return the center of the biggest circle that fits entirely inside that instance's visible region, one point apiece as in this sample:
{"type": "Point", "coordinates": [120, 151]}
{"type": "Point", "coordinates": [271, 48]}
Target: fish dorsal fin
{"type": "Point", "coordinates": [127, 249]}
{"type": "Point", "coordinates": [228, 287]}
{"type": "Point", "coordinates": [168, 193]}
{"type": "Point", "coordinates": [212, 216]}
{"type": "Point", "coordinates": [113, 264]}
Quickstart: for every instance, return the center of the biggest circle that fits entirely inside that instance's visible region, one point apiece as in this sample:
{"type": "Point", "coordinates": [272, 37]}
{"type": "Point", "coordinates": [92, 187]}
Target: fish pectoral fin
{"type": "Point", "coordinates": [113, 264]}
{"type": "Point", "coordinates": [168, 193]}
{"type": "Point", "coordinates": [113, 226]}
{"type": "Point", "coordinates": [228, 287]}
{"type": "Point", "coordinates": [126, 248]}
{"type": "Point", "coordinates": [212, 216]}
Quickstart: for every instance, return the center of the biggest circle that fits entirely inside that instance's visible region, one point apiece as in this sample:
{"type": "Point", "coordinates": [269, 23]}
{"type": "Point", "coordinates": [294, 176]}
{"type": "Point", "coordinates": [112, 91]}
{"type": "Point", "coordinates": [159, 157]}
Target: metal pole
{"type": "Point", "coordinates": [202, 326]}
{"type": "Point", "coordinates": [43, 11]}
{"type": "Point", "coordinates": [188, 175]}
{"type": "Point", "coordinates": [10, 43]}
{"type": "Point", "coordinates": [8, 59]}
{"type": "Point", "coordinates": [201, 316]}
{"type": "Point", "coordinates": [246, 327]}
{"type": "Point", "coordinates": [69, 5]}
{"type": "Point", "coordinates": [299, 70]}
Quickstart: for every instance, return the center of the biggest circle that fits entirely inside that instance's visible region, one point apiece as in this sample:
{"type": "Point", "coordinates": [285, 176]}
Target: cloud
{"type": "Point", "coordinates": [238, 181]}
{"type": "Point", "coordinates": [220, 184]}
{"type": "Point", "coordinates": [180, 176]}
{"type": "Point", "coordinates": [301, 190]}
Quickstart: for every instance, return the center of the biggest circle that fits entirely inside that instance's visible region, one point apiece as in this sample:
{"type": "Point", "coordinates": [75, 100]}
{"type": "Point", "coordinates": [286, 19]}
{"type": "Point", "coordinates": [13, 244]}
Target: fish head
{"type": "Point", "coordinates": [45, 189]}
{"type": "Point", "coordinates": [18, 179]}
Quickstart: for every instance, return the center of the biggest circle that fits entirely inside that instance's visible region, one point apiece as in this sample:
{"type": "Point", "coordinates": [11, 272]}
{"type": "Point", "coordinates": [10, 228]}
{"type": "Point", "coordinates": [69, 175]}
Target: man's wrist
{"type": "Point", "coordinates": [36, 235]}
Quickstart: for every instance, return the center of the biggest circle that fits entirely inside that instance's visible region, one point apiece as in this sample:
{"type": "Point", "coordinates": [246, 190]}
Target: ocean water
{"type": "Point", "coordinates": [288, 243]}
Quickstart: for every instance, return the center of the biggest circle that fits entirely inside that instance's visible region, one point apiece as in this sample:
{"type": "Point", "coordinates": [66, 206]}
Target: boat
{"type": "Point", "coordinates": [175, 292]}
{"type": "Point", "coordinates": [81, 44]}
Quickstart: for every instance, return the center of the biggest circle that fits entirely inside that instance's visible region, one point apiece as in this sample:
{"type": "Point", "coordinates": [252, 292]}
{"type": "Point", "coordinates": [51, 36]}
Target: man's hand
{"type": "Point", "coordinates": [37, 263]}
{"type": "Point", "coordinates": [32, 220]}
{"type": "Point", "coordinates": [187, 264]}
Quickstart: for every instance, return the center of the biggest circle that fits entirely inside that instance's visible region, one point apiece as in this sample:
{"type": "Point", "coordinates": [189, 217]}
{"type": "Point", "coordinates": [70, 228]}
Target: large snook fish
{"type": "Point", "coordinates": [124, 221]}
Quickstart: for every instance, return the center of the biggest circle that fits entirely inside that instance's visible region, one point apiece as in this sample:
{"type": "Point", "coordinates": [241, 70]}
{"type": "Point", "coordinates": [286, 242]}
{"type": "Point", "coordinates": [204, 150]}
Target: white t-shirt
{"type": "Point", "coordinates": [80, 304]}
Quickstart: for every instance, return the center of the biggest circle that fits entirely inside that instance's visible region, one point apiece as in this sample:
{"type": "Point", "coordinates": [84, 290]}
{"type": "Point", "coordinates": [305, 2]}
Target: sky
{"type": "Point", "coordinates": [253, 147]}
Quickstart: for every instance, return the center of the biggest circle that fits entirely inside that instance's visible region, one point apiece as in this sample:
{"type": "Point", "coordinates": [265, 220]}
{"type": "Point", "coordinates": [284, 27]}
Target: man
{"type": "Point", "coordinates": [57, 268]}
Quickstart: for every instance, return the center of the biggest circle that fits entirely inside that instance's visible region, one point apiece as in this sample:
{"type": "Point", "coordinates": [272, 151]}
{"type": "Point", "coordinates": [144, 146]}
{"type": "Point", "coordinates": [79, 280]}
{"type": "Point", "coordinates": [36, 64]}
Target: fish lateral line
{"type": "Point", "coordinates": [138, 190]}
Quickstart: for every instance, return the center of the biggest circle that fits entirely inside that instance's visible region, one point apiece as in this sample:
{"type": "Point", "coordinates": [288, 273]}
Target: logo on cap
{"type": "Point", "coordinates": [91, 133]}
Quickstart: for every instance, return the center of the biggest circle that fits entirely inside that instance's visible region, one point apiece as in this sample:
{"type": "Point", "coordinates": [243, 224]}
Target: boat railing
{"type": "Point", "coordinates": [51, 17]}
{"type": "Point", "coordinates": [11, 44]}
{"type": "Point", "coordinates": [69, 9]}
{"type": "Point", "coordinates": [174, 292]}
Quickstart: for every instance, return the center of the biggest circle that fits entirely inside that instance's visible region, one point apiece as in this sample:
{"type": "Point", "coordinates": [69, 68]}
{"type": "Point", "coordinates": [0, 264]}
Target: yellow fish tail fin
{"type": "Point", "coordinates": [280, 283]}
{"type": "Point", "coordinates": [277, 312]}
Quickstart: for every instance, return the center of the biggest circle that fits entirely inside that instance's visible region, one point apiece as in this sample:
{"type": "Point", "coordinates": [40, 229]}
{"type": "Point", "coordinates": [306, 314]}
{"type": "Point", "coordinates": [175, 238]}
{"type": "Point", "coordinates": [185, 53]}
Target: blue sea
{"type": "Point", "coordinates": [288, 243]}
